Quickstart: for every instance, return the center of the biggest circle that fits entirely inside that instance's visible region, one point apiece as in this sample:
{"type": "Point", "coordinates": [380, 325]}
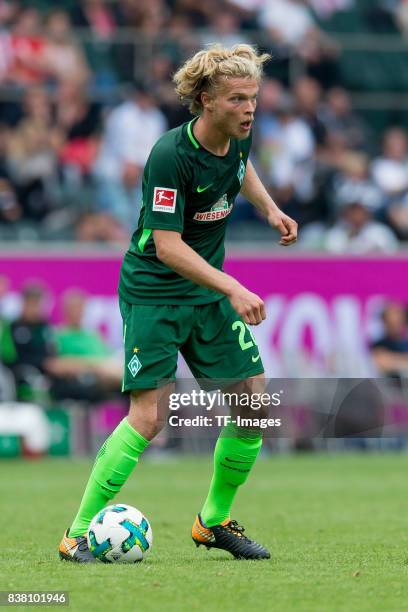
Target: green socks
{"type": "Point", "coordinates": [235, 454]}
{"type": "Point", "coordinates": [113, 464]}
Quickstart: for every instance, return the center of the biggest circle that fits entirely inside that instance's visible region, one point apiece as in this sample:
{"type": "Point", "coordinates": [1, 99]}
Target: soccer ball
{"type": "Point", "coordinates": [120, 534]}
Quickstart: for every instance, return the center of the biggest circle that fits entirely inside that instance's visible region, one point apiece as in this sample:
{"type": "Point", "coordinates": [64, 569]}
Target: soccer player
{"type": "Point", "coordinates": [174, 295]}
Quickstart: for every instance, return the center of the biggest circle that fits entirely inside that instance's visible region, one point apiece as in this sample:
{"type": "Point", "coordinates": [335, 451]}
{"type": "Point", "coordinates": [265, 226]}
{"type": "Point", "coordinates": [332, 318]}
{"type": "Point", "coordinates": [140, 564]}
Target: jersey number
{"type": "Point", "coordinates": [243, 327]}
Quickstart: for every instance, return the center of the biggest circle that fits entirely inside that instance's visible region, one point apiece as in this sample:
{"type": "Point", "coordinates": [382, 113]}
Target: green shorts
{"type": "Point", "coordinates": [212, 338]}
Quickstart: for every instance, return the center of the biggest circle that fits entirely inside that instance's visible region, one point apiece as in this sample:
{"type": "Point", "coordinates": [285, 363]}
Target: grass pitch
{"type": "Point", "coordinates": [336, 526]}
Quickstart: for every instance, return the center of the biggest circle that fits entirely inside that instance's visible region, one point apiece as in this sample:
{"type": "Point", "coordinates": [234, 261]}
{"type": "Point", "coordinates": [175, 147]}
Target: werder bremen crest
{"type": "Point", "coordinates": [134, 365]}
{"type": "Point", "coordinates": [219, 210]}
{"type": "Point", "coordinates": [241, 172]}
{"type": "Point", "coordinates": [221, 204]}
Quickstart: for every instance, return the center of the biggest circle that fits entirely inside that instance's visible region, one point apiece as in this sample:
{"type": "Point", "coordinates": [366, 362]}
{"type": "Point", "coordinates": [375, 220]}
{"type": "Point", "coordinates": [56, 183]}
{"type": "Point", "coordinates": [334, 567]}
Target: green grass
{"type": "Point", "coordinates": [336, 526]}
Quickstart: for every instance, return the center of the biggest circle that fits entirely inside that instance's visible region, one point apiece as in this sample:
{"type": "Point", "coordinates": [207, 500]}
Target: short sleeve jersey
{"type": "Point", "coordinates": [189, 190]}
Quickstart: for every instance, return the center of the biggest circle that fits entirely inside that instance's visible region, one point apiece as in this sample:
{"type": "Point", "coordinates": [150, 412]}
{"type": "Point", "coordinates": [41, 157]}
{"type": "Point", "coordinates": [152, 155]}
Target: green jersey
{"type": "Point", "coordinates": [189, 190]}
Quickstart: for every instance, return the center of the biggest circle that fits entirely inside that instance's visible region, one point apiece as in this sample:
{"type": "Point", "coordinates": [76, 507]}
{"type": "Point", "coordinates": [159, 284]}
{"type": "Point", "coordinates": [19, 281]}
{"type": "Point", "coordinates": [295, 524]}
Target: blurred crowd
{"type": "Point", "coordinates": [86, 90]}
{"type": "Point", "coordinates": [70, 368]}
{"type": "Point", "coordinates": [42, 362]}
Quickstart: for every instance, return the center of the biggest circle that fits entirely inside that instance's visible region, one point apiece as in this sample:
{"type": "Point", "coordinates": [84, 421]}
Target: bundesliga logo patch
{"type": "Point", "coordinates": [164, 200]}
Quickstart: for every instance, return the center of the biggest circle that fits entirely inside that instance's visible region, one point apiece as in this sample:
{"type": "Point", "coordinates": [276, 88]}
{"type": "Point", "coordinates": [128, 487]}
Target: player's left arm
{"type": "Point", "coordinates": [254, 191]}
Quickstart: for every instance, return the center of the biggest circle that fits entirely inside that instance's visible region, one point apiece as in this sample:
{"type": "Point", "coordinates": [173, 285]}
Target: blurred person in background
{"type": "Point", "coordinates": [401, 15]}
{"type": "Point", "coordinates": [199, 14]}
{"type": "Point", "coordinates": [86, 368]}
{"type": "Point", "coordinates": [28, 344]}
{"type": "Point", "coordinates": [100, 228]}
{"type": "Point", "coordinates": [325, 9]}
{"type": "Point", "coordinates": [160, 84]}
{"type": "Point", "coordinates": [390, 351]}
{"type": "Point", "coordinates": [32, 165]}
{"type": "Point", "coordinates": [356, 231]}
{"type": "Point", "coordinates": [286, 147]}
{"type": "Point", "coordinates": [289, 22]}
{"type": "Point", "coordinates": [293, 29]}
{"type": "Point", "coordinates": [100, 20]}
{"type": "Point", "coordinates": [77, 124]}
{"type": "Point", "coordinates": [98, 16]}
{"type": "Point", "coordinates": [130, 131]}
{"type": "Point", "coordinates": [28, 44]}
{"type": "Point", "coordinates": [62, 58]}
{"type": "Point", "coordinates": [308, 97]}
{"type": "Point", "coordinates": [10, 209]}
{"type": "Point", "coordinates": [338, 116]}
{"type": "Point", "coordinates": [352, 182]}
{"type": "Point", "coordinates": [224, 28]}
{"type": "Point", "coordinates": [6, 50]}
{"type": "Point", "coordinates": [396, 214]}
{"type": "Point", "coordinates": [390, 170]}
{"type": "Point", "coordinates": [34, 104]}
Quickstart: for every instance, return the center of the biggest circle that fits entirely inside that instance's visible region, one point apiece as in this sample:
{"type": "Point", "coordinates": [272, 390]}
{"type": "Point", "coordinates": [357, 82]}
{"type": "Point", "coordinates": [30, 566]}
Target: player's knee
{"type": "Point", "coordinates": [145, 415]}
{"type": "Point", "coordinates": [147, 424]}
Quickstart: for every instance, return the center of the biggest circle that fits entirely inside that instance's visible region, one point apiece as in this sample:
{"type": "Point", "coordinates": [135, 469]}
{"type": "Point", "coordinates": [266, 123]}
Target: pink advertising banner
{"type": "Point", "coordinates": [322, 311]}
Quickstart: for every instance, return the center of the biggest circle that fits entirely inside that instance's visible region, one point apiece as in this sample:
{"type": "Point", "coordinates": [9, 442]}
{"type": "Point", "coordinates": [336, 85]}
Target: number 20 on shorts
{"type": "Point", "coordinates": [243, 328]}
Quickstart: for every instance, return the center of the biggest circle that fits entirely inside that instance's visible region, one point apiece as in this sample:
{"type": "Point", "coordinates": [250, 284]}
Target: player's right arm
{"type": "Point", "coordinates": [164, 203]}
{"type": "Point", "coordinates": [180, 257]}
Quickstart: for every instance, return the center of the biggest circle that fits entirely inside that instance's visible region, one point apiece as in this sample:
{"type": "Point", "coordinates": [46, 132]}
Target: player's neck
{"type": "Point", "coordinates": [210, 137]}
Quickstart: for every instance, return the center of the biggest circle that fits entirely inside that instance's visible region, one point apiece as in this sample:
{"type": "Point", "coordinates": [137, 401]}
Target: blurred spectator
{"type": "Point", "coordinates": [288, 22]}
{"type": "Point", "coordinates": [130, 132]}
{"type": "Point", "coordinates": [308, 94]}
{"type": "Point", "coordinates": [332, 154]}
{"type": "Point", "coordinates": [390, 352]}
{"type": "Point", "coordinates": [100, 227]}
{"type": "Point", "coordinates": [198, 13]}
{"type": "Point", "coordinates": [32, 166]}
{"type": "Point", "coordinates": [356, 232]}
{"type": "Point", "coordinates": [162, 87]}
{"type": "Point", "coordinates": [286, 145]}
{"type": "Point", "coordinates": [28, 45]}
{"type": "Point", "coordinates": [397, 216]}
{"type": "Point", "coordinates": [293, 29]}
{"type": "Point", "coordinates": [4, 135]}
{"type": "Point", "coordinates": [77, 124]}
{"type": "Point", "coordinates": [390, 171]}
{"type": "Point", "coordinates": [37, 105]}
{"type": "Point", "coordinates": [382, 15]}
{"type": "Point", "coordinates": [401, 16]}
{"type": "Point", "coordinates": [100, 19]}
{"type": "Point", "coordinates": [27, 344]}
{"type": "Point", "coordinates": [325, 9]}
{"type": "Point", "coordinates": [10, 210]}
{"type": "Point", "coordinates": [224, 28]}
{"type": "Point", "coordinates": [337, 116]}
{"type": "Point", "coordinates": [86, 368]}
{"type": "Point", "coordinates": [62, 58]}
{"type": "Point", "coordinates": [352, 183]}
{"type": "Point", "coordinates": [247, 11]}
{"type": "Point", "coordinates": [34, 104]}
{"type": "Point", "coordinates": [96, 15]}
{"type": "Point", "coordinates": [6, 50]}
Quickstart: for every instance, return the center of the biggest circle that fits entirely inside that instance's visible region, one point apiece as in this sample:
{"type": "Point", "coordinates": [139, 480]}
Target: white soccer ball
{"type": "Point", "coordinates": [120, 534]}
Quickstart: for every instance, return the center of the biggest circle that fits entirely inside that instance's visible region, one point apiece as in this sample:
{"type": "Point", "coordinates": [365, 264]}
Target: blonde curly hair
{"type": "Point", "coordinates": [206, 69]}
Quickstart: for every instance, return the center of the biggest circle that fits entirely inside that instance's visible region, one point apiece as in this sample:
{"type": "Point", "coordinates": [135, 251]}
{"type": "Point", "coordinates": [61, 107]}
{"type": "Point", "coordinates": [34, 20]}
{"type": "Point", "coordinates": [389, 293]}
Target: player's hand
{"type": "Point", "coordinates": [248, 305]}
{"type": "Point", "coordinates": [286, 226]}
